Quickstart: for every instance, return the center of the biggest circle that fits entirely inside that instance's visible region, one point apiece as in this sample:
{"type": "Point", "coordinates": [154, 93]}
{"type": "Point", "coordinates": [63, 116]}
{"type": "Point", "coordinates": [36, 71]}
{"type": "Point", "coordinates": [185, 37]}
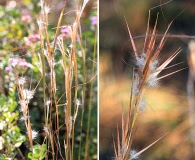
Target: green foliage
{"type": "Point", "coordinates": [11, 133]}
{"type": "Point", "coordinates": [11, 28]}
{"type": "Point", "coordinates": [38, 152]}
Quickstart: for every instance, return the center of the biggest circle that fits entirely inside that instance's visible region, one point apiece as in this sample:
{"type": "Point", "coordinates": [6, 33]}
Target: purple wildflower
{"type": "Point", "coordinates": [7, 69]}
{"type": "Point", "coordinates": [25, 64]}
{"type": "Point", "coordinates": [26, 18]}
{"type": "Point", "coordinates": [15, 62]}
{"type": "Point", "coordinates": [94, 20]}
{"type": "Point", "coordinates": [34, 38]}
{"type": "Point", "coordinates": [65, 32]}
{"type": "Point", "coordinates": [65, 29]}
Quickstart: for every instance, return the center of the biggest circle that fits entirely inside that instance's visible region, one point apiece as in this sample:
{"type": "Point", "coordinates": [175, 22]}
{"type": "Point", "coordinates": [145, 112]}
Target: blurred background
{"type": "Point", "coordinates": [167, 105]}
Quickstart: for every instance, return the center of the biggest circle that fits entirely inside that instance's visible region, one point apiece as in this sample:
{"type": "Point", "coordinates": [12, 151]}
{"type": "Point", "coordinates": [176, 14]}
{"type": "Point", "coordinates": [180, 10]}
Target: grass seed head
{"type": "Point", "coordinates": [135, 89]}
{"type": "Point", "coordinates": [132, 155]}
{"type": "Point", "coordinates": [28, 94]}
{"type": "Point", "coordinates": [154, 65]}
{"type": "Point", "coordinates": [34, 134]}
{"type": "Point", "coordinates": [22, 80]}
{"type": "Point", "coordinates": [143, 105]}
{"type": "Point", "coordinates": [152, 80]}
{"type": "Point", "coordinates": [141, 61]}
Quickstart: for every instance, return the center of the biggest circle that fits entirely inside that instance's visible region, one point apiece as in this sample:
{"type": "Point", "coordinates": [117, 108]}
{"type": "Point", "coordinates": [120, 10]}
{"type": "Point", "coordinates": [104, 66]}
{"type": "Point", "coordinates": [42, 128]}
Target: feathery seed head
{"type": "Point", "coordinates": [34, 134]}
{"type": "Point", "coordinates": [23, 105]}
{"type": "Point", "coordinates": [22, 118]}
{"type": "Point", "coordinates": [152, 80]}
{"type": "Point", "coordinates": [22, 80]}
{"type": "Point", "coordinates": [46, 130]}
{"type": "Point", "coordinates": [22, 102]}
{"type": "Point", "coordinates": [135, 87]}
{"type": "Point", "coordinates": [141, 61]}
{"type": "Point", "coordinates": [78, 102]}
{"type": "Point", "coordinates": [132, 155]}
{"type": "Point", "coordinates": [41, 24]}
{"type": "Point", "coordinates": [123, 151]}
{"type": "Point", "coordinates": [154, 65]}
{"type": "Point", "coordinates": [46, 9]}
{"type": "Point", "coordinates": [143, 105]}
{"type": "Point", "coordinates": [28, 94]}
{"type": "Point", "coordinates": [41, 3]}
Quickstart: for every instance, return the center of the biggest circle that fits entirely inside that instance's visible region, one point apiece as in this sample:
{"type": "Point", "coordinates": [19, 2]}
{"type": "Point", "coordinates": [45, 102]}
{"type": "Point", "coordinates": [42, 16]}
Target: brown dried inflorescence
{"type": "Point", "coordinates": [145, 75]}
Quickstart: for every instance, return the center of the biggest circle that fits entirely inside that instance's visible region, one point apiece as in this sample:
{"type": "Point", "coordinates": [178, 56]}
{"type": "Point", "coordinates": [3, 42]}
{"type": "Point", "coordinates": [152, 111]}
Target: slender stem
{"type": "Point", "coordinates": [83, 101]}
{"type": "Point", "coordinates": [80, 143]}
{"type": "Point", "coordinates": [90, 106]}
{"type": "Point", "coordinates": [75, 32]}
{"type": "Point", "coordinates": [23, 158]}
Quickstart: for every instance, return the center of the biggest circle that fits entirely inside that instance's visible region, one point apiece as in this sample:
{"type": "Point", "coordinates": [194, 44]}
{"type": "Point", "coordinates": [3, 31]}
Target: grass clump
{"type": "Point", "coordinates": [56, 86]}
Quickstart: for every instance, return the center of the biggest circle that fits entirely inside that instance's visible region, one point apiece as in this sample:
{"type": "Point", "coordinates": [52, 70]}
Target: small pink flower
{"type": "Point", "coordinates": [65, 32]}
{"type": "Point", "coordinates": [15, 62]}
{"type": "Point", "coordinates": [7, 69]}
{"type": "Point", "coordinates": [94, 20]}
{"type": "Point", "coordinates": [25, 64]}
{"type": "Point", "coordinates": [22, 64]}
{"type": "Point", "coordinates": [26, 18]}
{"type": "Point", "coordinates": [65, 29]}
{"type": "Point", "coordinates": [34, 38]}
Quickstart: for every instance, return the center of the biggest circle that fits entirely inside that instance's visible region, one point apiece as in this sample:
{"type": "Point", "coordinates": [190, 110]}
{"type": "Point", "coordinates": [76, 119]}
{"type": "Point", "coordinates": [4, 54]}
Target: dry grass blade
{"type": "Point", "coordinates": [58, 26]}
{"type": "Point", "coordinates": [152, 41]}
{"type": "Point", "coordinates": [128, 123]}
{"type": "Point", "coordinates": [162, 66]}
{"type": "Point", "coordinates": [129, 143]}
{"type": "Point", "coordinates": [118, 144]}
{"type": "Point", "coordinates": [171, 73]}
{"type": "Point", "coordinates": [132, 41]}
{"type": "Point", "coordinates": [143, 150]}
{"type": "Point", "coordinates": [147, 33]}
{"type": "Point", "coordinates": [170, 66]}
{"type": "Point", "coordinates": [115, 151]}
{"type": "Point", "coordinates": [162, 42]}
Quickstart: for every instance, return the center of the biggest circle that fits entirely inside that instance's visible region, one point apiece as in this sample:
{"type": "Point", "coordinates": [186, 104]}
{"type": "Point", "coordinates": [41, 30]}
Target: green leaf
{"type": "Point", "coordinates": [38, 152]}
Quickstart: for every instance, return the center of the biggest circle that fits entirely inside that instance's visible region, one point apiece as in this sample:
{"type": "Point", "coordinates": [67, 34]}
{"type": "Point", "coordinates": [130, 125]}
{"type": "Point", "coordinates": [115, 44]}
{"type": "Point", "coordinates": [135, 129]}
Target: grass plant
{"type": "Point", "coordinates": [146, 73]}
{"type": "Point", "coordinates": [64, 107]}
